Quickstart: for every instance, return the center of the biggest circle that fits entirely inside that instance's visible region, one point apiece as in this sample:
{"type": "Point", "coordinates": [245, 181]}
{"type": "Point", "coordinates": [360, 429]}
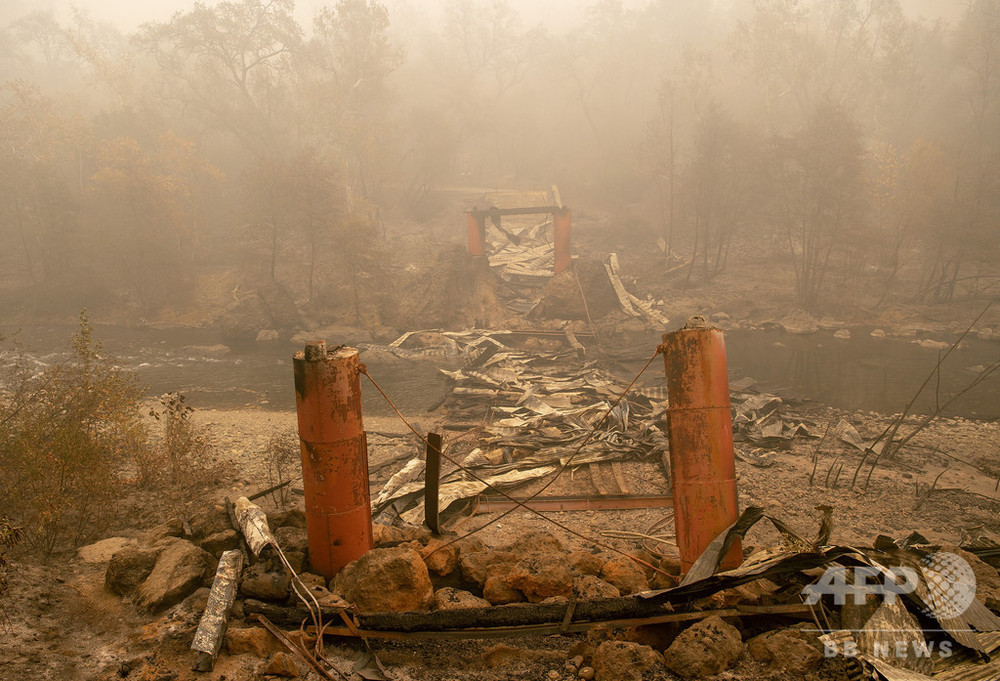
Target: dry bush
{"type": "Point", "coordinates": [64, 435]}
{"type": "Point", "coordinates": [181, 455]}
{"type": "Point", "coordinates": [282, 456]}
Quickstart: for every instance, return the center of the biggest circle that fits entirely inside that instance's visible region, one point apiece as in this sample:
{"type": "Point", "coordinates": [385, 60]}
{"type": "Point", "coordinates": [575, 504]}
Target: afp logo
{"type": "Point", "coordinates": [950, 582]}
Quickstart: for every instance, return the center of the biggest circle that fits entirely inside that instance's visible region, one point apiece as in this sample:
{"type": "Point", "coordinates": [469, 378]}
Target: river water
{"type": "Point", "coordinates": [861, 373]}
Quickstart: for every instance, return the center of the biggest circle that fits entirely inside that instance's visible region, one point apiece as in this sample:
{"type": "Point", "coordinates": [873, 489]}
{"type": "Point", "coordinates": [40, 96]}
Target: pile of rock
{"type": "Point", "coordinates": [411, 570]}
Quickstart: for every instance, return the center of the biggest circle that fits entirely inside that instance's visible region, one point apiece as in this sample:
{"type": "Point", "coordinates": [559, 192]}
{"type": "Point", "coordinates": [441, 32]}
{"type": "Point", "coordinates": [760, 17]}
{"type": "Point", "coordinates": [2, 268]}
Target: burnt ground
{"type": "Point", "coordinates": [60, 623]}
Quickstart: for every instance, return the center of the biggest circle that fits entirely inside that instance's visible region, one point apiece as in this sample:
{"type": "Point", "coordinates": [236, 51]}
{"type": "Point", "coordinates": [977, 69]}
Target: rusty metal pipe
{"type": "Point", "coordinates": [476, 229]}
{"type": "Point", "coordinates": [703, 468]}
{"type": "Point", "coordinates": [334, 456]}
{"type": "Point", "coordinates": [562, 227]}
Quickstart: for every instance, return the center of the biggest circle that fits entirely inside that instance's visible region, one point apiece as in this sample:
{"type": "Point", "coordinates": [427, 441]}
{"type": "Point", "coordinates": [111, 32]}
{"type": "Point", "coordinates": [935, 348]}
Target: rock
{"type": "Point", "coordinates": [312, 579]}
{"type": "Point", "coordinates": [799, 322]}
{"type": "Point", "coordinates": [663, 581]}
{"type": "Point", "coordinates": [441, 558]}
{"type": "Point", "coordinates": [842, 334]}
{"type": "Point", "coordinates": [209, 521]}
{"type": "Point", "coordinates": [265, 585]}
{"type": "Point", "coordinates": [281, 664]}
{"type": "Point", "coordinates": [196, 602]}
{"type": "Point", "coordinates": [385, 534]}
{"type": "Point", "coordinates": [587, 673]}
{"type": "Point", "coordinates": [219, 542]}
{"type": "Point", "coordinates": [478, 566]}
{"type": "Point", "coordinates": [297, 560]}
{"type": "Point", "coordinates": [555, 600]}
{"type": "Point", "coordinates": [877, 333]}
{"type": "Point", "coordinates": [393, 579]}
{"type": "Point", "coordinates": [267, 336]}
{"type": "Point", "coordinates": [624, 574]}
{"type": "Point", "coordinates": [129, 568]}
{"type": "Point", "coordinates": [540, 576]}
{"type": "Point", "coordinates": [254, 640]}
{"type": "Point", "coordinates": [289, 517]}
{"type": "Point", "coordinates": [786, 649]}
{"type": "Point", "coordinates": [934, 345]}
{"type": "Point", "coordinates": [671, 565]}
{"type": "Point", "coordinates": [623, 661]}
{"type": "Point", "coordinates": [450, 598]}
{"type": "Point", "coordinates": [502, 655]}
{"type": "Point", "coordinates": [705, 648]}
{"type": "Point", "coordinates": [590, 587]}
{"type": "Point", "coordinates": [554, 675]}
{"type": "Point", "coordinates": [180, 569]}
{"type": "Point", "coordinates": [292, 539]}
{"type": "Point", "coordinates": [171, 528]}
{"type": "Point", "coordinates": [585, 563]}
{"type": "Point", "coordinates": [102, 551]}
{"type": "Point", "coordinates": [534, 542]}
{"type": "Point", "coordinates": [498, 592]}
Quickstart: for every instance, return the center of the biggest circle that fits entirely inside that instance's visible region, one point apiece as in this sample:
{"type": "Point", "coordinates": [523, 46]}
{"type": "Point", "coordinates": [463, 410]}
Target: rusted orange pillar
{"type": "Point", "coordinates": [476, 226]}
{"type": "Point", "coordinates": [703, 469]}
{"type": "Point", "coordinates": [334, 456]}
{"type": "Point", "coordinates": [561, 228]}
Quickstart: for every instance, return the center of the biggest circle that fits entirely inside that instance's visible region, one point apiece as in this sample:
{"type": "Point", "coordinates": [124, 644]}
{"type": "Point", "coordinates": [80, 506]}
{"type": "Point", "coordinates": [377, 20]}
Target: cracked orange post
{"type": "Point", "coordinates": [334, 456]}
{"type": "Point", "coordinates": [703, 468]}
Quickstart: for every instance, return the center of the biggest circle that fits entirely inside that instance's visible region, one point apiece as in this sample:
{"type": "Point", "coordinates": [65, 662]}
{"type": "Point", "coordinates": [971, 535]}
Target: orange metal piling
{"type": "Point", "coordinates": [334, 456]}
{"type": "Point", "coordinates": [476, 233]}
{"type": "Point", "coordinates": [701, 440]}
{"type": "Point", "coordinates": [562, 228]}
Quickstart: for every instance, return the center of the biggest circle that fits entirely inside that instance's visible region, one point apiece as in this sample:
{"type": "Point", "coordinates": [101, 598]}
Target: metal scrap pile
{"type": "Point", "coordinates": [538, 414]}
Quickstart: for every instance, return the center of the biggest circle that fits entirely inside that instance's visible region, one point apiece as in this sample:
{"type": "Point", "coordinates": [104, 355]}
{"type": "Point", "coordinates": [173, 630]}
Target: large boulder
{"type": "Point", "coordinates": [102, 551]}
{"type": "Point", "coordinates": [441, 558]}
{"type": "Point", "coordinates": [180, 569]}
{"type": "Point", "coordinates": [219, 542]}
{"type": "Point", "coordinates": [267, 585]}
{"type": "Point", "coordinates": [256, 641]}
{"type": "Point", "coordinates": [589, 587]}
{"type": "Point", "coordinates": [450, 598]}
{"type": "Point", "coordinates": [787, 649]}
{"type": "Point", "coordinates": [209, 521]}
{"type": "Point", "coordinates": [541, 575]}
{"type": "Point", "coordinates": [705, 648]}
{"type": "Point", "coordinates": [478, 566]}
{"type": "Point", "coordinates": [585, 563]}
{"type": "Point", "coordinates": [292, 539]}
{"type": "Point", "coordinates": [625, 575]}
{"type": "Point", "coordinates": [128, 568]}
{"type": "Point", "coordinates": [623, 661]}
{"type": "Point", "coordinates": [497, 591]}
{"type": "Point", "coordinates": [392, 579]}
